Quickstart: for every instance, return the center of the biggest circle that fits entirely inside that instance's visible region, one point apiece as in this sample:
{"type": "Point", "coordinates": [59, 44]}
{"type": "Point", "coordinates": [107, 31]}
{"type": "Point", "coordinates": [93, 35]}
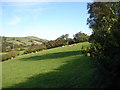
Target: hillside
{"type": "Point", "coordinates": [62, 67]}
{"type": "Point", "coordinates": [24, 40]}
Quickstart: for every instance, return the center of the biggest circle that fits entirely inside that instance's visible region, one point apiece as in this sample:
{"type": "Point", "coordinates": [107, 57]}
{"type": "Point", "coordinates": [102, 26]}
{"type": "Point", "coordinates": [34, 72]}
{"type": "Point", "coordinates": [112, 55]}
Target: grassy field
{"type": "Point", "coordinates": [54, 68]}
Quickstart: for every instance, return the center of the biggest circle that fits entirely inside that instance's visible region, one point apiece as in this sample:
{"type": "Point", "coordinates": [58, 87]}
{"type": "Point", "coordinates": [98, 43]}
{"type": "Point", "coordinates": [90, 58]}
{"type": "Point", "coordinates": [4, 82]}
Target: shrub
{"type": "Point", "coordinates": [35, 48]}
{"type": "Point", "coordinates": [9, 55]}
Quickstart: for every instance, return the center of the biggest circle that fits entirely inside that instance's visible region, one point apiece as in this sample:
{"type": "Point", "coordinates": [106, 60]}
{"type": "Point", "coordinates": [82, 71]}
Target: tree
{"type": "Point", "coordinates": [66, 36]}
{"type": "Point", "coordinates": [80, 37]}
{"type": "Point", "coordinates": [63, 37]}
{"type": "Point", "coordinates": [70, 41]}
{"type": "Point", "coordinates": [104, 20]}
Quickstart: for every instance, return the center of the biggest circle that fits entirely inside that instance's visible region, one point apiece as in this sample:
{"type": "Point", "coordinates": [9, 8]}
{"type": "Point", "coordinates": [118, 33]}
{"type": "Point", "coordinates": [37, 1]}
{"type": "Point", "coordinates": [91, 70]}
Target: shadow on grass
{"type": "Point", "coordinates": [52, 56]}
{"type": "Point", "coordinates": [77, 73]}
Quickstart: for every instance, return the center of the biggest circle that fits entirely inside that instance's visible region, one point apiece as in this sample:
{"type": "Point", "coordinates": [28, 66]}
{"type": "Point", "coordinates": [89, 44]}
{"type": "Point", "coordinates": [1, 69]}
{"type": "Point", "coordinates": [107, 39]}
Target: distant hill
{"type": "Point", "coordinates": [24, 40]}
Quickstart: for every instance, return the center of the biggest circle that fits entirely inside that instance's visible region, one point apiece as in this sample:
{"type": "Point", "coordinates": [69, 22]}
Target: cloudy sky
{"type": "Point", "coordinates": [47, 20]}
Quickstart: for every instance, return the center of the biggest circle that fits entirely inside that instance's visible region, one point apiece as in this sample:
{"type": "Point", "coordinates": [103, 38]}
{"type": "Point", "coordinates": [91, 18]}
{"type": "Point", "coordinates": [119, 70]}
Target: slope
{"type": "Point", "coordinates": [54, 68]}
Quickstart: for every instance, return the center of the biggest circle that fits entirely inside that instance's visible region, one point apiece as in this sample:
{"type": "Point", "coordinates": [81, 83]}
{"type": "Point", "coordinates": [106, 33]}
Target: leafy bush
{"type": "Point", "coordinates": [9, 55]}
{"type": "Point", "coordinates": [56, 43]}
{"type": "Point", "coordinates": [35, 49]}
{"type": "Point", "coordinates": [80, 37]}
{"type": "Point", "coordinates": [104, 20]}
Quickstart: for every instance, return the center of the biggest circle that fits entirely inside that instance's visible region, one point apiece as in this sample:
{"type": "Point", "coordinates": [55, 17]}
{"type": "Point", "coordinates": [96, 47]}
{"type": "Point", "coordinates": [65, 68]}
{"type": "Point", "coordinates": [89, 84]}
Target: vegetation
{"type": "Point", "coordinates": [9, 55]}
{"type": "Point", "coordinates": [60, 41]}
{"type": "Point", "coordinates": [63, 37]}
{"type": "Point", "coordinates": [19, 43]}
{"type": "Point", "coordinates": [62, 62]}
{"type": "Point", "coordinates": [104, 20]}
{"type": "Point", "coordinates": [68, 65]}
{"type": "Point", "coordinates": [34, 49]}
{"type": "Point", "coordinates": [33, 44]}
{"type": "Point", "coordinates": [80, 37]}
{"type": "Point", "coordinates": [62, 67]}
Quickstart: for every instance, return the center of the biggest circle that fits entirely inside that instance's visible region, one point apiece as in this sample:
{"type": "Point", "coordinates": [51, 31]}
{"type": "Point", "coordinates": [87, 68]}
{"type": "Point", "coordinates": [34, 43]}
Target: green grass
{"type": "Point", "coordinates": [54, 68]}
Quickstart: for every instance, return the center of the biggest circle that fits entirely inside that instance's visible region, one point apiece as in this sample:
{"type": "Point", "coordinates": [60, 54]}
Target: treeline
{"type": "Point", "coordinates": [60, 41]}
{"type": "Point", "coordinates": [34, 48]}
{"type": "Point", "coordinates": [104, 20]}
{"type": "Point", "coordinates": [8, 44]}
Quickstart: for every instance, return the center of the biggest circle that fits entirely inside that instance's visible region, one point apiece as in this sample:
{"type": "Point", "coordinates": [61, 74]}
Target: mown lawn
{"type": "Point", "coordinates": [62, 67]}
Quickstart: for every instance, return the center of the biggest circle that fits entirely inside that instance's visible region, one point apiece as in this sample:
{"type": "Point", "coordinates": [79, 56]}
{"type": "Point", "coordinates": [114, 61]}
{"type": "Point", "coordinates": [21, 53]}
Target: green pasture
{"type": "Point", "coordinates": [62, 67]}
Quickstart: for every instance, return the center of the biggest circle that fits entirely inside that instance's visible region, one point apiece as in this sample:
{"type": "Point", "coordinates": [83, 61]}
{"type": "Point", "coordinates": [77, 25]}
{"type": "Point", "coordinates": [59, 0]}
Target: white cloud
{"type": "Point", "coordinates": [14, 21]}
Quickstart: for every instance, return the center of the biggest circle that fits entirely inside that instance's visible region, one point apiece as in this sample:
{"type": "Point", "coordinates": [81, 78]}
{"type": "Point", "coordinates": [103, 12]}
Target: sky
{"type": "Point", "coordinates": [46, 20]}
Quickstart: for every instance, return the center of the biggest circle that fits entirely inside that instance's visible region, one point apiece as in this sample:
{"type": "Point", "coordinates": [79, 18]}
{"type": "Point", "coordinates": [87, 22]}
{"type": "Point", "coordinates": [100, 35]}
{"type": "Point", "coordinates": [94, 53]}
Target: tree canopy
{"type": "Point", "coordinates": [104, 20]}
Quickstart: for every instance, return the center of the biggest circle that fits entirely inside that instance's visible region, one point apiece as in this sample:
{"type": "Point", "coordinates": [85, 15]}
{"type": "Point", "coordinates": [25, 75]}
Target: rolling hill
{"type": "Point", "coordinates": [24, 40]}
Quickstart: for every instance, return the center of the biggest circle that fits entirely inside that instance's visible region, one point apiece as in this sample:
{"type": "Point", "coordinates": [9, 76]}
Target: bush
{"type": "Point", "coordinates": [35, 49]}
{"type": "Point", "coordinates": [9, 55]}
{"type": "Point", "coordinates": [86, 51]}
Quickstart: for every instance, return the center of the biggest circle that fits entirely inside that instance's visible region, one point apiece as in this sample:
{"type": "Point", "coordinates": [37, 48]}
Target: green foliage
{"type": "Point", "coordinates": [70, 41]}
{"type": "Point", "coordinates": [56, 43]}
{"type": "Point", "coordinates": [9, 55]}
{"type": "Point", "coordinates": [63, 37]}
{"type": "Point", "coordinates": [104, 20]}
{"type": "Point", "coordinates": [34, 49]}
{"type": "Point", "coordinates": [80, 37]}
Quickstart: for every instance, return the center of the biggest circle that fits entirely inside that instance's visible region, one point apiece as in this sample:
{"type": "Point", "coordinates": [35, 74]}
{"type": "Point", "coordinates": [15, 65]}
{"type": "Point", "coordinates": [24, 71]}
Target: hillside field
{"type": "Point", "coordinates": [62, 67]}
{"type": "Point", "coordinates": [24, 41]}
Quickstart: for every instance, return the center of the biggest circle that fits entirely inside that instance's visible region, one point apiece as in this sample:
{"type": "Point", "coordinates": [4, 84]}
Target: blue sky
{"type": "Point", "coordinates": [47, 20]}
